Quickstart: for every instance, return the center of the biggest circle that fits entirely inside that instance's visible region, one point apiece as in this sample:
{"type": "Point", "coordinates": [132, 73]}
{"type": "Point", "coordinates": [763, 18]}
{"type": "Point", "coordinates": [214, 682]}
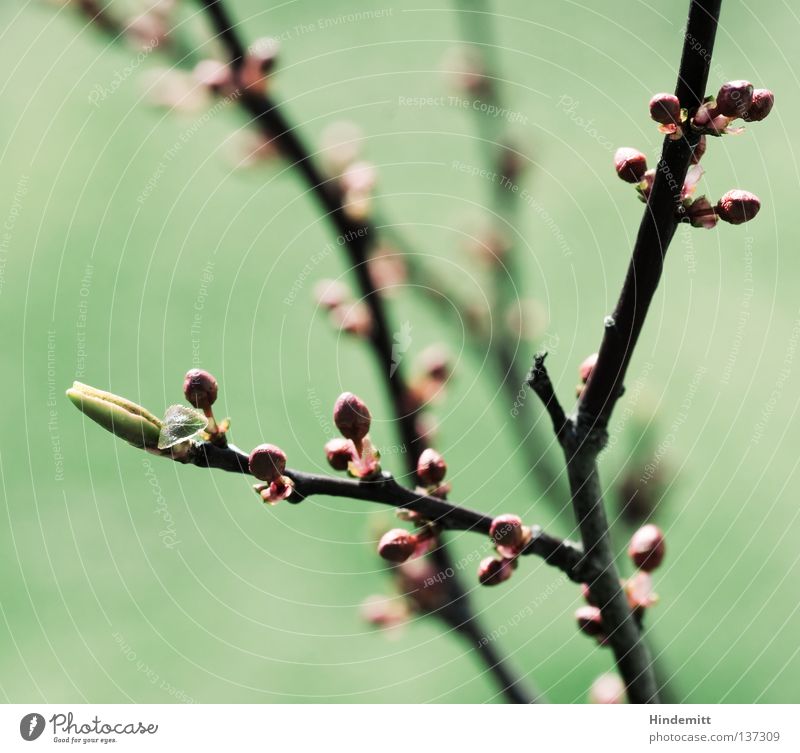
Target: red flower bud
{"type": "Point", "coordinates": [699, 150]}
{"type": "Point", "coordinates": [647, 548]}
{"type": "Point", "coordinates": [760, 107]}
{"type": "Point", "coordinates": [738, 206]}
{"type": "Point", "coordinates": [665, 109]}
{"type": "Point", "coordinates": [585, 369]}
{"type": "Point", "coordinates": [630, 164]}
{"type": "Point", "coordinates": [397, 545]}
{"type": "Point", "coordinates": [590, 621]}
{"type": "Point", "coordinates": [200, 388]}
{"type": "Point", "coordinates": [734, 98]}
{"type": "Point", "coordinates": [340, 452]}
{"type": "Point", "coordinates": [508, 534]}
{"type": "Point", "coordinates": [351, 416]}
{"type": "Point", "coordinates": [267, 462]}
{"type": "Point", "coordinates": [493, 571]}
{"type": "Point", "coordinates": [431, 468]}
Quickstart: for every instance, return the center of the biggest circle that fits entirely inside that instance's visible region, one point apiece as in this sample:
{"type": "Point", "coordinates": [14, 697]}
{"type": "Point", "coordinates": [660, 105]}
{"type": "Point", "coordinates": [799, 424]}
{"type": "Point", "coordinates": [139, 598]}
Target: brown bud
{"type": "Point", "coordinates": [665, 109]}
{"type": "Point", "coordinates": [340, 452]}
{"type": "Point", "coordinates": [493, 571]}
{"type": "Point", "coordinates": [734, 98]}
{"type": "Point", "coordinates": [738, 206]}
{"type": "Point", "coordinates": [431, 468]}
{"type": "Point", "coordinates": [267, 462]}
{"type": "Point", "coordinates": [590, 621]}
{"type": "Point", "coordinates": [647, 548]}
{"type": "Point", "coordinates": [200, 388]}
{"type": "Point", "coordinates": [630, 164]}
{"type": "Point", "coordinates": [760, 107]}
{"type": "Point", "coordinates": [508, 534]}
{"type": "Point", "coordinates": [397, 545]}
{"type": "Point", "coordinates": [351, 416]}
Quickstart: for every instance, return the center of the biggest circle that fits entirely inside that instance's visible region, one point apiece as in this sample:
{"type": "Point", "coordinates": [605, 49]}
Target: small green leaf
{"type": "Point", "coordinates": [180, 424]}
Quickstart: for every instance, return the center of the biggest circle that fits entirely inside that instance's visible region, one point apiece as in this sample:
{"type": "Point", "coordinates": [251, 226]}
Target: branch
{"type": "Point", "coordinates": [539, 381]}
{"type": "Point", "coordinates": [561, 553]}
{"type": "Point", "coordinates": [584, 436]}
{"type": "Point", "coordinates": [658, 224]}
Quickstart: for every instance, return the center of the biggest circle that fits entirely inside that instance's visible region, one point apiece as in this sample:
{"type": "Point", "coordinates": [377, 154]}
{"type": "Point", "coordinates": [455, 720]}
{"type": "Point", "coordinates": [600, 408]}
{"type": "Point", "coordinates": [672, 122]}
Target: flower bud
{"type": "Point", "coordinates": [738, 206]}
{"type": "Point", "coordinates": [665, 109]}
{"type": "Point", "coordinates": [121, 417]}
{"type": "Point", "coordinates": [590, 621]}
{"type": "Point", "coordinates": [734, 98]}
{"type": "Point", "coordinates": [340, 453]}
{"type": "Point", "coordinates": [200, 388]}
{"type": "Point", "coordinates": [630, 164]}
{"type": "Point", "coordinates": [647, 548]}
{"type": "Point", "coordinates": [761, 105]}
{"type": "Point", "coordinates": [267, 462]}
{"type": "Point", "coordinates": [351, 416]}
{"type": "Point", "coordinates": [431, 468]}
{"type": "Point", "coordinates": [493, 571]}
{"type": "Point", "coordinates": [330, 293]}
{"type": "Point", "coordinates": [699, 150]}
{"type": "Point", "coordinates": [214, 75]}
{"type": "Point", "coordinates": [265, 51]}
{"type": "Point", "coordinates": [397, 545]}
{"type": "Point", "coordinates": [585, 369]}
{"type": "Point", "coordinates": [508, 534]}
{"type": "Point", "coordinates": [607, 688]}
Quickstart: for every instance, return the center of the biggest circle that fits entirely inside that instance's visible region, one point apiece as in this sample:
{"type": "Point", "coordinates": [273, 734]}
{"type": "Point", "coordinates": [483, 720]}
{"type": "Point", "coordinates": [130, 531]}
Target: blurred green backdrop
{"type": "Point", "coordinates": [260, 604]}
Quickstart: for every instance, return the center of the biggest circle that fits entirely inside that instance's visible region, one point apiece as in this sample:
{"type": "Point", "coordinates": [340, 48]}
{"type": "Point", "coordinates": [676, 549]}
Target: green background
{"type": "Point", "coordinates": [258, 604]}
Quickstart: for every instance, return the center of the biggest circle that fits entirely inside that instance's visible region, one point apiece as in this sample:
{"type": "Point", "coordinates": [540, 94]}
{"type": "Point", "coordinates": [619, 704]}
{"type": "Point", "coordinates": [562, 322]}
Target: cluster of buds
{"type": "Point", "coordinates": [174, 434]}
{"type": "Point", "coordinates": [646, 550]}
{"type": "Point", "coordinates": [355, 177]}
{"type": "Point", "coordinates": [251, 77]}
{"type": "Point", "coordinates": [347, 315]}
{"type": "Point", "coordinates": [268, 463]}
{"type": "Point", "coordinates": [735, 99]}
{"type": "Point", "coordinates": [510, 537]}
{"type": "Point", "coordinates": [354, 452]}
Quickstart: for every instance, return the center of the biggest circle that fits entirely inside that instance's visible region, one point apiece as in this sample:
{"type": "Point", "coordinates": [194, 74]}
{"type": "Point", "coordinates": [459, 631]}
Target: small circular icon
{"type": "Point", "coordinates": [31, 726]}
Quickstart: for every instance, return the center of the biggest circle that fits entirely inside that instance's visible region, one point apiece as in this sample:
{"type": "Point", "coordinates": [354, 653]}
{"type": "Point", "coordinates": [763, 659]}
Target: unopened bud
{"type": "Point", "coordinates": [265, 51]}
{"type": "Point", "coordinates": [493, 571]}
{"type": "Point", "coordinates": [761, 105]}
{"type": "Point", "coordinates": [330, 293]}
{"type": "Point", "coordinates": [200, 388]}
{"type": "Point", "coordinates": [431, 468]}
{"type": "Point", "coordinates": [585, 369]}
{"type": "Point", "coordinates": [267, 462]}
{"type": "Point", "coordinates": [340, 453]}
{"type": "Point", "coordinates": [127, 420]}
{"type": "Point", "coordinates": [590, 621]}
{"type": "Point", "coordinates": [738, 206]}
{"type": "Point", "coordinates": [397, 545]}
{"type": "Point", "coordinates": [630, 164]}
{"type": "Point", "coordinates": [214, 75]}
{"type": "Point", "coordinates": [508, 534]}
{"type": "Point", "coordinates": [734, 98]}
{"type": "Point", "coordinates": [607, 688]}
{"type": "Point", "coordinates": [351, 416]}
{"type": "Point", "coordinates": [665, 109]}
{"type": "Point", "coordinates": [647, 548]}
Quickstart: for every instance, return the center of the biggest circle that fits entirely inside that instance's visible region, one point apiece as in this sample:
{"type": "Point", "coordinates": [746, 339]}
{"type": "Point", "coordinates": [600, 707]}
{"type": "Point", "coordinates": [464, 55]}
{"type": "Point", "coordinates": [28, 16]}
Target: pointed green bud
{"type": "Point", "coordinates": [127, 420]}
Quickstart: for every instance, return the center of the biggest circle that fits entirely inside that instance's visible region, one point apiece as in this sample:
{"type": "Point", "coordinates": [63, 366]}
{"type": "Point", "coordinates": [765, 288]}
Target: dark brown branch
{"type": "Point", "coordinates": [658, 223]}
{"type": "Point", "coordinates": [357, 239]}
{"type": "Point", "coordinates": [539, 381]}
{"type": "Point", "coordinates": [561, 553]}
